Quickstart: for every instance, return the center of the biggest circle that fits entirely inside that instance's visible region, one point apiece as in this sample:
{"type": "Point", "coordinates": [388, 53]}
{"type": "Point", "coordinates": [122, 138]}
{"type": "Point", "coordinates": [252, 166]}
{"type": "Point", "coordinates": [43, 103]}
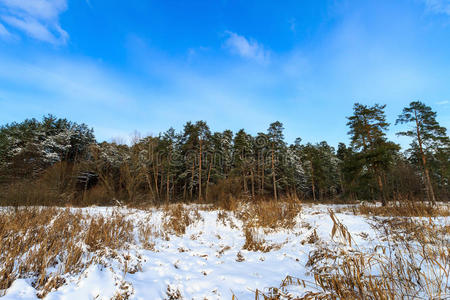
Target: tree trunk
{"type": "Point", "coordinates": [147, 172]}
{"type": "Point", "coordinates": [429, 186]}
{"type": "Point", "coordinates": [155, 176]}
{"type": "Point", "coordinates": [386, 187]}
{"type": "Point", "coordinates": [161, 183]}
{"type": "Point", "coordinates": [341, 179]}
{"type": "Point", "coordinates": [192, 179]}
{"type": "Point", "coordinates": [200, 172]}
{"type": "Point", "coordinates": [273, 175]}
{"type": "Point", "coordinates": [313, 185]}
{"type": "Point", "coordinates": [380, 186]}
{"type": "Point", "coordinates": [168, 187]}
{"type": "Point", "coordinates": [207, 180]}
{"type": "Point", "coordinates": [258, 172]}
{"type": "Point", "coordinates": [432, 197]}
{"type": "Point", "coordinates": [149, 183]}
{"type": "Point", "coordinates": [168, 177]}
{"type": "Point", "coordinates": [262, 174]}
{"type": "Point", "coordinates": [253, 183]}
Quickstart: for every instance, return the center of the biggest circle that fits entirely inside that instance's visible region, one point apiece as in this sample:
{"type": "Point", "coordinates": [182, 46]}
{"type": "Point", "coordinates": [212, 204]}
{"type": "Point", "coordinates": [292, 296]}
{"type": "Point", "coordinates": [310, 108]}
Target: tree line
{"type": "Point", "coordinates": [62, 160]}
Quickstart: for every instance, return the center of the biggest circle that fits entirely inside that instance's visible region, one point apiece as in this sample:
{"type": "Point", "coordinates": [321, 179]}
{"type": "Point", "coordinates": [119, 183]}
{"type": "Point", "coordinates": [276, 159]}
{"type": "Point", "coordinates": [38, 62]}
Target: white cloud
{"type": "Point", "coordinates": [38, 19]}
{"type": "Point", "coordinates": [438, 6]}
{"type": "Point", "coordinates": [35, 29]}
{"type": "Point", "coordinates": [247, 48]}
{"type": "Point", "coordinates": [3, 31]}
{"type": "Point", "coordinates": [443, 102]}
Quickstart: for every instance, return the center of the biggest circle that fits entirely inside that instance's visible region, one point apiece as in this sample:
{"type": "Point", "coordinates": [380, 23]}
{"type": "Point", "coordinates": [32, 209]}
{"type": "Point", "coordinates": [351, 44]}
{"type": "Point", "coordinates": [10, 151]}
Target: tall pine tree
{"type": "Point", "coordinates": [428, 136]}
{"type": "Point", "coordinates": [368, 128]}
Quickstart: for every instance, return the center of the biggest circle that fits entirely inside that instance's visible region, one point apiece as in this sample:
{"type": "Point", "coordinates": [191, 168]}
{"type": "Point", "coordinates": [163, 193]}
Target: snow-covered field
{"type": "Point", "coordinates": [208, 261]}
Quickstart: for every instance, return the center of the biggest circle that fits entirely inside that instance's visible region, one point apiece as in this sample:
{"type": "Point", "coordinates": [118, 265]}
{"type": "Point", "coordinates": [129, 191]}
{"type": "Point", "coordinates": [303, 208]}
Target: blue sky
{"type": "Point", "coordinates": [121, 66]}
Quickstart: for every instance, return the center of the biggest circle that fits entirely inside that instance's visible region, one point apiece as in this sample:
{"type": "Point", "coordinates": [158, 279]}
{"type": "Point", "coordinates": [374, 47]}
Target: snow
{"type": "Point", "coordinates": [21, 289]}
{"type": "Point", "coordinates": [203, 263]}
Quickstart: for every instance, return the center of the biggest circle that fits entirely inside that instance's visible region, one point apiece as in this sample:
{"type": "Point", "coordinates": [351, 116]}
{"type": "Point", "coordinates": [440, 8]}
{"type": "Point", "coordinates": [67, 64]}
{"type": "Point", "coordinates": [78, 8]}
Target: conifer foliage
{"type": "Point", "coordinates": [198, 164]}
{"type": "Point", "coordinates": [429, 140]}
{"type": "Point", "coordinates": [29, 147]}
{"type": "Point", "coordinates": [368, 128]}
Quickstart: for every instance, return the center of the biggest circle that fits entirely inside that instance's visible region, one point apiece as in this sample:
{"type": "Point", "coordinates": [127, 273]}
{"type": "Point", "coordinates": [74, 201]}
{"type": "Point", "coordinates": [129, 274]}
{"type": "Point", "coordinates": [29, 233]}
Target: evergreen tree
{"type": "Point", "coordinates": [310, 157]}
{"type": "Point", "coordinates": [261, 148]}
{"type": "Point", "coordinates": [198, 164]}
{"type": "Point", "coordinates": [277, 149]}
{"type": "Point", "coordinates": [368, 128]}
{"type": "Point", "coordinates": [428, 137]}
{"type": "Point", "coordinates": [170, 159]}
{"type": "Point", "coordinates": [294, 172]}
{"type": "Point", "coordinates": [32, 145]}
{"type": "Point", "coordinates": [243, 158]}
{"type": "Point", "coordinates": [196, 137]}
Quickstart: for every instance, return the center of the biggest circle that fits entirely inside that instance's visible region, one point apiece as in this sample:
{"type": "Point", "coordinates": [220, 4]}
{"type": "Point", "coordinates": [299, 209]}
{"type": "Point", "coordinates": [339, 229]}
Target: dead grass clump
{"type": "Point", "coordinates": [225, 193]}
{"type": "Point", "coordinates": [146, 234]}
{"type": "Point", "coordinates": [28, 192]}
{"type": "Point", "coordinates": [113, 232]}
{"type": "Point", "coordinates": [254, 242]}
{"type": "Point", "coordinates": [403, 209]}
{"type": "Point", "coordinates": [240, 257]}
{"type": "Point", "coordinates": [222, 251]}
{"type": "Point", "coordinates": [405, 230]}
{"type": "Point", "coordinates": [46, 243]}
{"type": "Point", "coordinates": [339, 230]}
{"type": "Point", "coordinates": [312, 238]}
{"type": "Point", "coordinates": [34, 240]}
{"type": "Point", "coordinates": [417, 267]}
{"type": "Point", "coordinates": [225, 218]}
{"type": "Point", "coordinates": [178, 217]}
{"type": "Point", "coordinates": [98, 194]}
{"type": "Point", "coordinates": [282, 292]}
{"type": "Point", "coordinates": [228, 203]}
{"type": "Point", "coordinates": [173, 293]}
{"type": "Point", "coordinates": [271, 214]}
{"type": "Point", "coordinates": [222, 217]}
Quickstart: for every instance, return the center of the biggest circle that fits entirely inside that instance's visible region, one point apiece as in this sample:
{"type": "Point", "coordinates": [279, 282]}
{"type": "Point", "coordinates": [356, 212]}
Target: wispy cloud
{"type": "Point", "coordinates": [3, 31]}
{"type": "Point", "coordinates": [38, 19]}
{"type": "Point", "coordinates": [438, 6]}
{"type": "Point", "coordinates": [88, 91]}
{"type": "Point", "coordinates": [293, 24]}
{"type": "Point", "coordinates": [246, 48]}
{"type": "Point", "coordinates": [443, 102]}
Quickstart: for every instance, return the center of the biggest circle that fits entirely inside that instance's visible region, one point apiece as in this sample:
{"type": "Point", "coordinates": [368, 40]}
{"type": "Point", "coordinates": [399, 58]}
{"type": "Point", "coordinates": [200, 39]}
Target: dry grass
{"type": "Point", "coordinates": [27, 192]}
{"type": "Point", "coordinates": [43, 192]}
{"type": "Point", "coordinates": [414, 259]}
{"type": "Point", "coordinates": [270, 214]}
{"type": "Point", "coordinates": [48, 243]}
{"type": "Point", "coordinates": [261, 214]}
{"type": "Point", "coordinates": [113, 232]}
{"type": "Point", "coordinates": [173, 293]}
{"type": "Point", "coordinates": [255, 242]}
{"type": "Point", "coordinates": [33, 240]}
{"type": "Point", "coordinates": [147, 233]}
{"type": "Point", "coordinates": [415, 264]}
{"type": "Point", "coordinates": [407, 270]}
{"type": "Point", "coordinates": [403, 209]}
{"type": "Point", "coordinates": [178, 217]}
{"type": "Point", "coordinates": [228, 203]}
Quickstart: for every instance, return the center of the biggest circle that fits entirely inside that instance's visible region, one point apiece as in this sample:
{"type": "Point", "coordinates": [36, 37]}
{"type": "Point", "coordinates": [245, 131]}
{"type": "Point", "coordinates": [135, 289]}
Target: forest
{"type": "Point", "coordinates": [55, 161]}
